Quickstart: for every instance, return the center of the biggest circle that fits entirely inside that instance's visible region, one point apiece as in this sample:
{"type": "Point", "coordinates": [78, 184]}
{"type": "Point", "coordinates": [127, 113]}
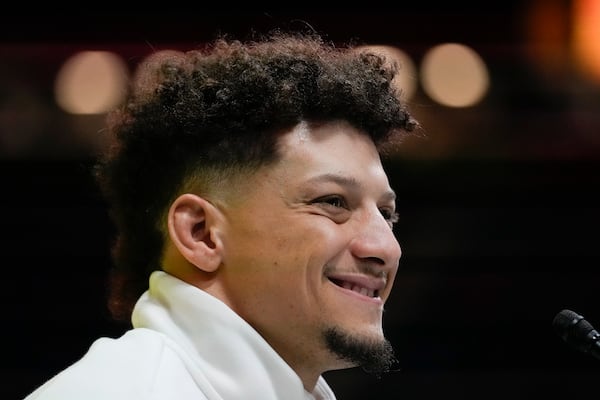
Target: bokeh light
{"type": "Point", "coordinates": [91, 82]}
{"type": "Point", "coordinates": [454, 75]}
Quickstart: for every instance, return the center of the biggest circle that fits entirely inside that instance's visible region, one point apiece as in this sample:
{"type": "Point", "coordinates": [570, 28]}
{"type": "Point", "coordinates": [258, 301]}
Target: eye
{"type": "Point", "coordinates": [333, 201]}
{"type": "Point", "coordinates": [390, 216]}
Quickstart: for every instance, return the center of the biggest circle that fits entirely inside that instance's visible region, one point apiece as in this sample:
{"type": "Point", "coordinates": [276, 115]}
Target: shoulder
{"type": "Point", "coordinates": [141, 364]}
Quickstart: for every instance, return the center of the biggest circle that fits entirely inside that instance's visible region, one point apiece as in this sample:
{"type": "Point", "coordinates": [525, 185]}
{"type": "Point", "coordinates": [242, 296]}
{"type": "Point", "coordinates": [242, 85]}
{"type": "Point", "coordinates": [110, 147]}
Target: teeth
{"type": "Point", "coordinates": [362, 290]}
{"type": "Point", "coordinates": [359, 289]}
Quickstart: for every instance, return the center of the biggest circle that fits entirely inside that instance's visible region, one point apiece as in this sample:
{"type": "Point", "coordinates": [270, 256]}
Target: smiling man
{"type": "Point", "coordinates": [255, 248]}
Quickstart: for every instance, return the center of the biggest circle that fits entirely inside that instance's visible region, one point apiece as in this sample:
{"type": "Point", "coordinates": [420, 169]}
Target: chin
{"type": "Point", "coordinates": [371, 350]}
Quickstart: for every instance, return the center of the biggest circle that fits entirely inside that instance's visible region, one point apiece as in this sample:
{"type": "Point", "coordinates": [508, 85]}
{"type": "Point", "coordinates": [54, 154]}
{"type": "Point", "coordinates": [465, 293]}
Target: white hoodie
{"type": "Point", "coordinates": [185, 345]}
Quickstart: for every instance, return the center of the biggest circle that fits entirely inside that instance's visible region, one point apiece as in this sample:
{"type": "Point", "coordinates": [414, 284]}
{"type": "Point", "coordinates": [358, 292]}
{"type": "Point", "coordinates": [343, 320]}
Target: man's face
{"type": "Point", "coordinates": [308, 245]}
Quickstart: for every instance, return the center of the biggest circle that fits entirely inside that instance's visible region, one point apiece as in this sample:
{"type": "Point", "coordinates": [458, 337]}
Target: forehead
{"type": "Point", "coordinates": [333, 148]}
{"type": "Point", "coordinates": [326, 141]}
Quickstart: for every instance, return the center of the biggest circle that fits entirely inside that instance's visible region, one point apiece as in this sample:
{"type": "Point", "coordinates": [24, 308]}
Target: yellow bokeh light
{"type": "Point", "coordinates": [406, 80]}
{"type": "Point", "coordinates": [454, 75]}
{"type": "Point", "coordinates": [91, 82]}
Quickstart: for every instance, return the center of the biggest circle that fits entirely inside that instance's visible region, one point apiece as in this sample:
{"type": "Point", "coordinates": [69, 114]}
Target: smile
{"type": "Point", "coordinates": [355, 287]}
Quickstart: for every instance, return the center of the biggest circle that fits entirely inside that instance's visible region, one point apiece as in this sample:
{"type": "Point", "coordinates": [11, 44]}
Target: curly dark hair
{"type": "Point", "coordinates": [214, 112]}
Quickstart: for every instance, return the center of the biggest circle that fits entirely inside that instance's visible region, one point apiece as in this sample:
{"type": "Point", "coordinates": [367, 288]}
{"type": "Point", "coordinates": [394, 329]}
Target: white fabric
{"type": "Point", "coordinates": [185, 345]}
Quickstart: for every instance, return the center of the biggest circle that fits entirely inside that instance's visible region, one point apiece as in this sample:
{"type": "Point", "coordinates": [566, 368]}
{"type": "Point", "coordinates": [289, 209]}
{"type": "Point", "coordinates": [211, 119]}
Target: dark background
{"type": "Point", "coordinates": [499, 203]}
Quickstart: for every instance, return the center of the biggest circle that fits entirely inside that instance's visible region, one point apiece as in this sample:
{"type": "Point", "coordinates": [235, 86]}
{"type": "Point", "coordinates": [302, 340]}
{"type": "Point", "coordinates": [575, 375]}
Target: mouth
{"type": "Point", "coordinates": [365, 291]}
{"type": "Point", "coordinates": [363, 285]}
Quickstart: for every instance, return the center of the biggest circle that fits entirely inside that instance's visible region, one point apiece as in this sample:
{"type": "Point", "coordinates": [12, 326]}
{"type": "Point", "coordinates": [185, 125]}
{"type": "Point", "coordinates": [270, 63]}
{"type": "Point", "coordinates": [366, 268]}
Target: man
{"type": "Point", "coordinates": [245, 181]}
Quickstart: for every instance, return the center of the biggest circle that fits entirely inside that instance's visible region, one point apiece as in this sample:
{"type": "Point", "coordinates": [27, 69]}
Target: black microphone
{"type": "Point", "coordinates": [577, 332]}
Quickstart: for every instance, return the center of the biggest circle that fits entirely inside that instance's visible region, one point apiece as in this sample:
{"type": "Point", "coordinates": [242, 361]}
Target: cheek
{"type": "Point", "coordinates": [275, 250]}
{"type": "Point", "coordinates": [296, 258]}
{"type": "Point", "coordinates": [309, 245]}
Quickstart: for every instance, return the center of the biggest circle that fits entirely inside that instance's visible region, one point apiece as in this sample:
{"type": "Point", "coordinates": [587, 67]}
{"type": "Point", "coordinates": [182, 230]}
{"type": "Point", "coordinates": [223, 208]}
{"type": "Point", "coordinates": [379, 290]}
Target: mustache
{"type": "Point", "coordinates": [364, 267]}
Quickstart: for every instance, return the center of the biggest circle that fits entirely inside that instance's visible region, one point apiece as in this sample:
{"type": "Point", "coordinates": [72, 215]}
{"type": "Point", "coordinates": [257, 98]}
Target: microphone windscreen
{"type": "Point", "coordinates": [565, 320]}
{"type": "Point", "coordinates": [574, 329]}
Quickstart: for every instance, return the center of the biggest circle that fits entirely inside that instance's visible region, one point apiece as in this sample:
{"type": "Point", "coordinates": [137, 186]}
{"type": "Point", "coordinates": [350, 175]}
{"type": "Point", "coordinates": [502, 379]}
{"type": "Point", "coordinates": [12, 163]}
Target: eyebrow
{"type": "Point", "coordinates": [350, 182]}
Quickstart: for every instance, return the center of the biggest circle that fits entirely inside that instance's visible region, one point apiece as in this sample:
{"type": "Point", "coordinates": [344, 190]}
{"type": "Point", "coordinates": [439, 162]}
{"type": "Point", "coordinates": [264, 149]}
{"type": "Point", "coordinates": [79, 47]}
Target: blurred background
{"type": "Point", "coordinates": [498, 198]}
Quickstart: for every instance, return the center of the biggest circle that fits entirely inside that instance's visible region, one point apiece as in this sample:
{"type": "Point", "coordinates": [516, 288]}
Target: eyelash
{"type": "Point", "coordinates": [341, 202]}
{"type": "Point", "coordinates": [390, 216]}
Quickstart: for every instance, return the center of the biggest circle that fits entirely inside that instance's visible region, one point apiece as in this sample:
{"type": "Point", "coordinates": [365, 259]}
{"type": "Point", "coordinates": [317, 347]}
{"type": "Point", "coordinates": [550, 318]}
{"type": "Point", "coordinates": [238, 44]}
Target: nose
{"type": "Point", "coordinates": [375, 241]}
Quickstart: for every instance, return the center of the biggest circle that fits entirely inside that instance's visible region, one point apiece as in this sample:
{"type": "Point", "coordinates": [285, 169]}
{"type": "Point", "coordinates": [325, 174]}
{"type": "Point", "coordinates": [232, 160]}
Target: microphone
{"type": "Point", "coordinates": [577, 332]}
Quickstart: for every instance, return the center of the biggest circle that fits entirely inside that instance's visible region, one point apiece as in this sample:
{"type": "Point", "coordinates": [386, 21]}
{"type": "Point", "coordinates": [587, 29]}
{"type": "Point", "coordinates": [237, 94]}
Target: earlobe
{"type": "Point", "coordinates": [192, 229]}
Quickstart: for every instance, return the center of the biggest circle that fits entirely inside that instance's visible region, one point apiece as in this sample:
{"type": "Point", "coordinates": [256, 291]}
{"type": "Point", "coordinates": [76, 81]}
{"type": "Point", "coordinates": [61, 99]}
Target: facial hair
{"type": "Point", "coordinates": [375, 356]}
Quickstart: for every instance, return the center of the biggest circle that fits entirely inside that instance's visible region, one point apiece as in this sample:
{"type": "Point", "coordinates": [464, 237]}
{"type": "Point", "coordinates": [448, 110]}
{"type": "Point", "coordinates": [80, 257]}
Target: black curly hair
{"type": "Point", "coordinates": [215, 112]}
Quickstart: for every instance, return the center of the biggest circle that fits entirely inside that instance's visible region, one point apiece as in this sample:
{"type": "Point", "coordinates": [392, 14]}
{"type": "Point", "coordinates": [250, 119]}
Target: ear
{"type": "Point", "coordinates": [193, 229]}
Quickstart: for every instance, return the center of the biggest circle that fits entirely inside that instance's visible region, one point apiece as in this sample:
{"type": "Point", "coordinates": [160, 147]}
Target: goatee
{"type": "Point", "coordinates": [375, 356]}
